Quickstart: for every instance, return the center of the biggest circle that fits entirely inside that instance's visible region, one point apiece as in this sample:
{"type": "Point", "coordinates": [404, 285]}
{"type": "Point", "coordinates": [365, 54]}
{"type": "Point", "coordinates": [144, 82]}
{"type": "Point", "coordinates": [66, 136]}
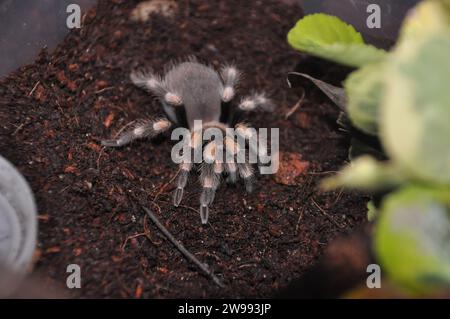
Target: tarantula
{"type": "Point", "coordinates": [191, 91]}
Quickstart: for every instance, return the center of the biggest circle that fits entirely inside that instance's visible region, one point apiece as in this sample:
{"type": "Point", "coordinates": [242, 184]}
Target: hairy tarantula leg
{"type": "Point", "coordinates": [231, 169]}
{"type": "Point", "coordinates": [141, 129]}
{"type": "Point", "coordinates": [218, 171]}
{"type": "Point", "coordinates": [156, 85]}
{"type": "Point", "coordinates": [195, 143]}
{"type": "Point", "coordinates": [181, 183]}
{"type": "Point", "coordinates": [245, 131]}
{"type": "Point", "coordinates": [206, 199]}
{"type": "Point", "coordinates": [210, 180]}
{"type": "Point", "coordinates": [256, 101]}
{"type": "Point", "coordinates": [148, 81]}
{"type": "Point", "coordinates": [231, 149]}
{"type": "Point", "coordinates": [257, 143]}
{"type": "Point", "coordinates": [247, 174]}
{"type": "Point", "coordinates": [173, 99]}
{"type": "Point", "coordinates": [230, 76]}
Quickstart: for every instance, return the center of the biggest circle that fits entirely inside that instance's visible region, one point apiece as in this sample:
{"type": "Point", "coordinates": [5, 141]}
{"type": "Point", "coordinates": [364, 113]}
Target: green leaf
{"type": "Point", "coordinates": [428, 16]}
{"type": "Point", "coordinates": [415, 115]}
{"type": "Point", "coordinates": [364, 89]}
{"type": "Point", "coordinates": [412, 238]}
{"type": "Point", "coordinates": [372, 211]}
{"type": "Point", "coordinates": [330, 38]}
{"type": "Point", "coordinates": [365, 173]}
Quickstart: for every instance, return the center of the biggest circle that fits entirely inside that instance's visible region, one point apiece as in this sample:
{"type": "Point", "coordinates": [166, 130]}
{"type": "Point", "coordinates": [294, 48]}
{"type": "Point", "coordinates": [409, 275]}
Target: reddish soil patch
{"type": "Point", "coordinates": [55, 112]}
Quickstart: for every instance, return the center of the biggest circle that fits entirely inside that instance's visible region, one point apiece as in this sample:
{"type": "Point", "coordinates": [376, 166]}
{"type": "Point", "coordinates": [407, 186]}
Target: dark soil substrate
{"type": "Point", "coordinates": [55, 112]}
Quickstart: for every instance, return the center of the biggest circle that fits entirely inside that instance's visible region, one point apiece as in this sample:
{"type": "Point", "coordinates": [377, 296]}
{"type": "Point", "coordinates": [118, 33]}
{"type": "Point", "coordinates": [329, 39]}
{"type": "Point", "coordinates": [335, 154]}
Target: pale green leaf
{"type": "Point", "coordinates": [372, 211]}
{"type": "Point", "coordinates": [365, 173]}
{"type": "Point", "coordinates": [412, 238]}
{"type": "Point", "coordinates": [330, 38]}
{"type": "Point", "coordinates": [364, 89]}
{"type": "Point", "coordinates": [415, 115]}
{"type": "Point", "coordinates": [428, 16]}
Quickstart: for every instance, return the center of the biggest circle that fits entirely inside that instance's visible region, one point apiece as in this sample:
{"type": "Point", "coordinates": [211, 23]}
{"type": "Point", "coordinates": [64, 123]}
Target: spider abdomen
{"type": "Point", "coordinates": [199, 87]}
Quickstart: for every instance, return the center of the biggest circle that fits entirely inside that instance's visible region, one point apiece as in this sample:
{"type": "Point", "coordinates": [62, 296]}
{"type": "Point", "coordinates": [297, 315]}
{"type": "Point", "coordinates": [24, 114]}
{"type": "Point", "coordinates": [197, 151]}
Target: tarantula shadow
{"type": "Point", "coordinates": [190, 92]}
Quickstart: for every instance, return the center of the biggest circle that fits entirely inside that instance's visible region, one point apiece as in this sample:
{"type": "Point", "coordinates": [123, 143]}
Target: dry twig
{"type": "Point", "coordinates": [34, 88]}
{"type": "Point", "coordinates": [326, 214]}
{"type": "Point", "coordinates": [182, 249]}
